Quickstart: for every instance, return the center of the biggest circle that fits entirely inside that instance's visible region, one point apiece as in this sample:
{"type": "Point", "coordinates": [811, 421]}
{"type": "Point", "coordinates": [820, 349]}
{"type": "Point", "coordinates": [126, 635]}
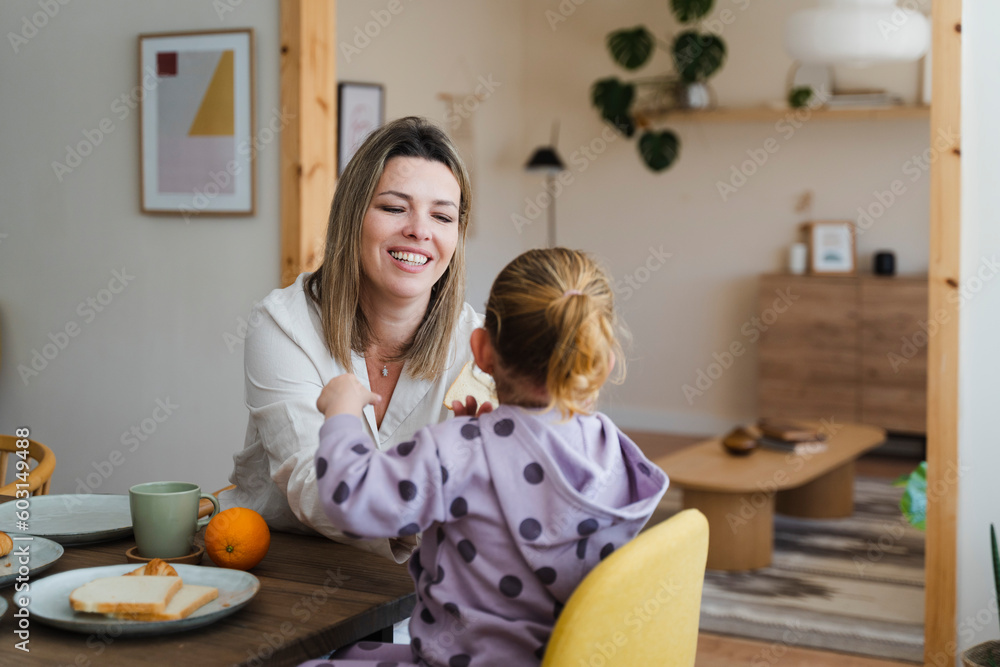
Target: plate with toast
{"type": "Point", "coordinates": [72, 518]}
{"type": "Point", "coordinates": [153, 599]}
{"type": "Point", "coordinates": [41, 553]}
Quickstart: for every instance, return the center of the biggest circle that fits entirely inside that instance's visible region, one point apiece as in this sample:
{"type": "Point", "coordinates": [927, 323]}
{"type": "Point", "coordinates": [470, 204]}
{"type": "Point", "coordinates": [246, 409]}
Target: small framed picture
{"type": "Point", "coordinates": [831, 248]}
{"type": "Point", "coordinates": [360, 109]}
{"type": "Point", "coordinates": [195, 123]}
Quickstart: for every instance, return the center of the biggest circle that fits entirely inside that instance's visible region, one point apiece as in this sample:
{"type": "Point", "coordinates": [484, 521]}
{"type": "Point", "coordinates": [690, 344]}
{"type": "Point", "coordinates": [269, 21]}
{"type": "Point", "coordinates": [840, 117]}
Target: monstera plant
{"type": "Point", "coordinates": [696, 56]}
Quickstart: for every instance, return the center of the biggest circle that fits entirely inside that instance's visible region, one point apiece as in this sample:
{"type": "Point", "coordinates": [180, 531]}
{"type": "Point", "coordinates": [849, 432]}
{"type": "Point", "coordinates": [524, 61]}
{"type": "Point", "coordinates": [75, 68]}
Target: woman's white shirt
{"type": "Point", "coordinates": [287, 365]}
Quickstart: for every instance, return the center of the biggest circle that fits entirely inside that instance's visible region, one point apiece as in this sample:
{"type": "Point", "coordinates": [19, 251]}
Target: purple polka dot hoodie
{"type": "Point", "coordinates": [515, 507]}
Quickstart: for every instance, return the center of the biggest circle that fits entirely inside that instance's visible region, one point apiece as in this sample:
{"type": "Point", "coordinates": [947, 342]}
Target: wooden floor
{"type": "Point", "coordinates": [722, 651]}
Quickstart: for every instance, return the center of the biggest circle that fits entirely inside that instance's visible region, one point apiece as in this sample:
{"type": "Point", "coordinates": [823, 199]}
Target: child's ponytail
{"type": "Point", "coordinates": [551, 319]}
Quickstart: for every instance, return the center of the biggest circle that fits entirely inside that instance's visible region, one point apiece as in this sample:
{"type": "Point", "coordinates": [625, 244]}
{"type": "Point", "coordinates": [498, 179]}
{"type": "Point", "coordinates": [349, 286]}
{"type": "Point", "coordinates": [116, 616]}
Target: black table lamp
{"type": "Point", "coordinates": [545, 158]}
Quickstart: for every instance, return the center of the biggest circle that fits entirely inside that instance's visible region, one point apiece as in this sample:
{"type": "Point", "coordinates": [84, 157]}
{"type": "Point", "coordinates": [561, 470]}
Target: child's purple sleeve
{"type": "Point", "coordinates": [369, 493]}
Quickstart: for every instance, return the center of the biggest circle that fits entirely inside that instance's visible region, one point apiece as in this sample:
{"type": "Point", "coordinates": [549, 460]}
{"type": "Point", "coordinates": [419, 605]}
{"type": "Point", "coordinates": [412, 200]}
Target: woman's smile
{"type": "Point", "coordinates": [411, 229]}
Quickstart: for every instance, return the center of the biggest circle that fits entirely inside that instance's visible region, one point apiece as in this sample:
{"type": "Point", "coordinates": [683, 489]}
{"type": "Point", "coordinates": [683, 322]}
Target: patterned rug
{"type": "Point", "coordinates": [853, 585]}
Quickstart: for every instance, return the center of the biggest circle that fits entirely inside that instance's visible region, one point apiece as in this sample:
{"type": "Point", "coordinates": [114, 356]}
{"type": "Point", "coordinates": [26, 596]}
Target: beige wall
{"type": "Point", "coordinates": [696, 304]}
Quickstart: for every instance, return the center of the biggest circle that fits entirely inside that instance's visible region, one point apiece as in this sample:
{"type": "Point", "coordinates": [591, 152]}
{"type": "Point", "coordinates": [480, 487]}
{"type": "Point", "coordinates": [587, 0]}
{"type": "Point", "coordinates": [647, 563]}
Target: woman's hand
{"type": "Point", "coordinates": [470, 406]}
{"type": "Point", "coordinates": [345, 395]}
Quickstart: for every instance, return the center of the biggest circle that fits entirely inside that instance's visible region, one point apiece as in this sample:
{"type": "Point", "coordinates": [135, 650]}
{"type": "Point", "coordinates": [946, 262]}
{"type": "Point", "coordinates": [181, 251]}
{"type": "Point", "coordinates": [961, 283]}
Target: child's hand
{"type": "Point", "coordinates": [470, 407]}
{"type": "Point", "coordinates": [345, 395]}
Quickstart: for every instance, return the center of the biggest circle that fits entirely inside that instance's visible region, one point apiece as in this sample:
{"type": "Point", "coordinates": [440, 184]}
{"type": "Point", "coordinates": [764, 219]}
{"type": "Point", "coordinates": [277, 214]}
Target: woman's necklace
{"type": "Point", "coordinates": [385, 371]}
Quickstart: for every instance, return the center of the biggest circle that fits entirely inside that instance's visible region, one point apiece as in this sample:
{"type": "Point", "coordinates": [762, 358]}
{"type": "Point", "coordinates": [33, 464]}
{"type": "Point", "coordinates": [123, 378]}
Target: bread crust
{"type": "Point", "coordinates": [189, 599]}
{"type": "Point", "coordinates": [6, 544]}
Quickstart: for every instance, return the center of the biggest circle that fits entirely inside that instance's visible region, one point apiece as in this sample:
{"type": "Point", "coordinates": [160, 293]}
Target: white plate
{"type": "Point", "coordinates": [49, 600]}
{"type": "Point", "coordinates": [3, 607]}
{"type": "Point", "coordinates": [41, 554]}
{"type": "Point", "coordinates": [72, 519]}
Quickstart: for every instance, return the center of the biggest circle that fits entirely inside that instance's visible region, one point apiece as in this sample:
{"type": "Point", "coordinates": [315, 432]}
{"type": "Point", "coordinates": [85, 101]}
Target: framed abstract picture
{"type": "Point", "coordinates": [196, 122]}
{"type": "Point", "coordinates": [831, 248]}
{"type": "Point", "coordinates": [360, 109]}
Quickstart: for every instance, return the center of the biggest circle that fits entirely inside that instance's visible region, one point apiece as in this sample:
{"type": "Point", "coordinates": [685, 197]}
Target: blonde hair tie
{"type": "Point", "coordinates": [571, 292]}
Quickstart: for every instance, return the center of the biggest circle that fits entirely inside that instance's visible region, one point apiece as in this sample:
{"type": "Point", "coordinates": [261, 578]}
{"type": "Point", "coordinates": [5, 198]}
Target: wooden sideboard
{"type": "Point", "coordinates": [852, 349]}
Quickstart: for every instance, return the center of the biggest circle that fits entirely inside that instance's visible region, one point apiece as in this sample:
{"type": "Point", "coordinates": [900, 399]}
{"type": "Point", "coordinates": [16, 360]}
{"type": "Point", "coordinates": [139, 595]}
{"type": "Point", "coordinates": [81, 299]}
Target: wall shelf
{"type": "Point", "coordinates": [764, 114]}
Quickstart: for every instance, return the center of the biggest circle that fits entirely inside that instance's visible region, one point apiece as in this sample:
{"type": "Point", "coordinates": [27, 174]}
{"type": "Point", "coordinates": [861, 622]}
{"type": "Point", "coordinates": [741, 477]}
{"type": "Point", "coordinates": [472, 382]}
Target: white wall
{"type": "Point", "coordinates": [162, 336]}
{"type": "Point", "coordinates": [696, 304]}
{"type": "Point", "coordinates": [979, 363]}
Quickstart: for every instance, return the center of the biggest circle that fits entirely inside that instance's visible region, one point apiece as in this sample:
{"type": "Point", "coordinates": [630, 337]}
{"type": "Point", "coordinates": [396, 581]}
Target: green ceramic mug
{"type": "Point", "coordinates": [165, 517]}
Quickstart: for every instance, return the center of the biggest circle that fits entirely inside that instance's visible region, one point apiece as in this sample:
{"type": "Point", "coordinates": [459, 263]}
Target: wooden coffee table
{"type": "Point", "coordinates": [740, 494]}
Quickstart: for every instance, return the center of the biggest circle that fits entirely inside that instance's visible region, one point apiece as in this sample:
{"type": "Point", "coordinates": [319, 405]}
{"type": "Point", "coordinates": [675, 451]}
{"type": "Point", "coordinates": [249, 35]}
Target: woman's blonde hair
{"type": "Point", "coordinates": [551, 320]}
{"type": "Point", "coordinates": [336, 286]}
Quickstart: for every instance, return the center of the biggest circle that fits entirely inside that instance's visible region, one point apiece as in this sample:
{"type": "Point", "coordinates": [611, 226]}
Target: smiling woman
{"type": "Point", "coordinates": [387, 305]}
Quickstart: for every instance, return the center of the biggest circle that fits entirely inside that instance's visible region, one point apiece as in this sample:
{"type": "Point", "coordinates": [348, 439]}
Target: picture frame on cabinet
{"type": "Point", "coordinates": [832, 249]}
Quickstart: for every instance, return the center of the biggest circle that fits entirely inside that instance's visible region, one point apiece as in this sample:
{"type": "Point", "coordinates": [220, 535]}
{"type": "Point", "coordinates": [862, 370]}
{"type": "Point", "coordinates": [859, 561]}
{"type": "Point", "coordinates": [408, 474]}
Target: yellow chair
{"type": "Point", "coordinates": [39, 477]}
{"type": "Point", "coordinates": [640, 606]}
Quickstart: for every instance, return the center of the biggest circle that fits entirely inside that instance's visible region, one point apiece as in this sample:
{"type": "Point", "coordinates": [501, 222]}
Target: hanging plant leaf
{"type": "Point", "coordinates": [659, 149]}
{"type": "Point", "coordinates": [799, 97]}
{"type": "Point", "coordinates": [690, 10]}
{"type": "Point", "coordinates": [631, 48]}
{"type": "Point", "coordinates": [624, 123]}
{"type": "Point", "coordinates": [614, 100]}
{"type": "Point", "coordinates": [698, 56]}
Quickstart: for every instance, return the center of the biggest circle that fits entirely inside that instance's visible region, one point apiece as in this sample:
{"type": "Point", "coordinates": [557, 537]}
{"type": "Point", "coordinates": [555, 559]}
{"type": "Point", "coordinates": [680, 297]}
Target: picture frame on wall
{"type": "Point", "coordinates": [196, 122]}
{"type": "Point", "coordinates": [360, 110]}
{"type": "Point", "coordinates": [832, 248]}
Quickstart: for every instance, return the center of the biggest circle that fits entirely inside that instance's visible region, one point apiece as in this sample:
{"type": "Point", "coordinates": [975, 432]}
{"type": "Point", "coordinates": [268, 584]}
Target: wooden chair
{"type": "Point", "coordinates": [39, 477]}
{"type": "Point", "coordinates": [641, 604]}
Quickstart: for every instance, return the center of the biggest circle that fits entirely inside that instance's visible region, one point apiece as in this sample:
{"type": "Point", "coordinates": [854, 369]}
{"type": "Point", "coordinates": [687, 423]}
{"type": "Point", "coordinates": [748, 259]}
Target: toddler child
{"type": "Point", "coordinates": [515, 506]}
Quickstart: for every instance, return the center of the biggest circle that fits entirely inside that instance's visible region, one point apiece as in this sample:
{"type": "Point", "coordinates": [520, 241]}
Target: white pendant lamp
{"type": "Point", "coordinates": [857, 32]}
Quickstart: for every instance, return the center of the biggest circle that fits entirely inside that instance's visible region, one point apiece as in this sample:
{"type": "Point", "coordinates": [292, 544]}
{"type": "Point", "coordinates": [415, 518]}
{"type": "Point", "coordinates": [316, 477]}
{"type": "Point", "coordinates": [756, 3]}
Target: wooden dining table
{"type": "Point", "coordinates": [315, 596]}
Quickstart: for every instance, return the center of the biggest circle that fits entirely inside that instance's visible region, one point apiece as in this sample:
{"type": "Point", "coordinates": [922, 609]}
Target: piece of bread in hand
{"type": "Point", "coordinates": [154, 568]}
{"type": "Point", "coordinates": [187, 600]}
{"type": "Point", "coordinates": [6, 544]}
{"type": "Point", "coordinates": [472, 382]}
{"type": "Point", "coordinates": [126, 595]}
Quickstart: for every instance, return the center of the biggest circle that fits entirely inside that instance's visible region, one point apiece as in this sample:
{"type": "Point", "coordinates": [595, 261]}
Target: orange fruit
{"type": "Point", "coordinates": [237, 538]}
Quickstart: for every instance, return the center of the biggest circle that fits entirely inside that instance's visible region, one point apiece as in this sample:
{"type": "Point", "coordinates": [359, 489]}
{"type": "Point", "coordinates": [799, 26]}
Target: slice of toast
{"type": "Point", "coordinates": [187, 600]}
{"type": "Point", "coordinates": [129, 595]}
{"type": "Point", "coordinates": [154, 568]}
{"type": "Point", "coordinates": [472, 382]}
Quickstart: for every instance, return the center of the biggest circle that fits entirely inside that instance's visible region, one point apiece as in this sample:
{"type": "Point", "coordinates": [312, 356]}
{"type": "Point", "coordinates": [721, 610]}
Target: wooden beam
{"type": "Point", "coordinates": [940, 621]}
{"type": "Point", "coordinates": [308, 142]}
